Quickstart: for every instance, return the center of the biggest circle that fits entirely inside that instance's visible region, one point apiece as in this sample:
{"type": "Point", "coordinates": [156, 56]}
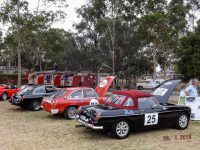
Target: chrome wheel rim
{"type": "Point", "coordinates": [122, 129]}
{"type": "Point", "coordinates": [4, 96]}
{"type": "Point", "coordinates": [72, 112]}
{"type": "Point", "coordinates": [183, 120]}
{"type": "Point", "coordinates": [36, 106]}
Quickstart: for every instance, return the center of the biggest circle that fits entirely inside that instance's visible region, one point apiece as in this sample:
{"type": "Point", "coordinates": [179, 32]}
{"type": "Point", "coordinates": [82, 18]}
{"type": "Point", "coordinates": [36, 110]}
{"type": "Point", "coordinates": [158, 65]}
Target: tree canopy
{"type": "Point", "coordinates": [127, 38]}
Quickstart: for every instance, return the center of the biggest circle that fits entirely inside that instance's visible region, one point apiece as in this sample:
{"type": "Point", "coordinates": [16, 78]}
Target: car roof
{"type": "Point", "coordinates": [77, 88]}
{"type": "Point", "coordinates": [135, 94]}
{"type": "Point", "coordinates": [38, 85]}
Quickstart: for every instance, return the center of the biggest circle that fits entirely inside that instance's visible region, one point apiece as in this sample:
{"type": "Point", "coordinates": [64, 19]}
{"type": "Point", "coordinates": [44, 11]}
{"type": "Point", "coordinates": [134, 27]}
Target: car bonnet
{"type": "Point", "coordinates": [165, 90]}
{"type": "Point", "coordinates": [104, 85]}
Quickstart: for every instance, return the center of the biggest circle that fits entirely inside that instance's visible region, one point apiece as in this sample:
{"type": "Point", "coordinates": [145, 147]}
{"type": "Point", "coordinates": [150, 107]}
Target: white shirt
{"type": "Point", "coordinates": [192, 91]}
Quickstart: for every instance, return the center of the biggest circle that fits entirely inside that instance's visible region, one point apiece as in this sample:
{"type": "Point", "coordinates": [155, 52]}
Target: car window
{"type": "Point", "coordinates": [129, 102]}
{"type": "Point", "coordinates": [59, 93]}
{"type": "Point", "coordinates": [40, 90]}
{"type": "Point", "coordinates": [76, 94]}
{"type": "Point", "coordinates": [13, 87]}
{"type": "Point", "coordinates": [147, 102]}
{"type": "Point", "coordinates": [89, 93]}
{"type": "Point", "coordinates": [49, 89]}
{"type": "Point", "coordinates": [116, 99]}
{"type": "Point", "coordinates": [157, 82]}
{"type": "Point", "coordinates": [26, 90]}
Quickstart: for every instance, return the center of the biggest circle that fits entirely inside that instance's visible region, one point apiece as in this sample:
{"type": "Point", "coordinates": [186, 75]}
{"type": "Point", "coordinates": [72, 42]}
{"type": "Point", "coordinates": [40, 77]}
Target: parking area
{"type": "Point", "coordinates": [28, 130]}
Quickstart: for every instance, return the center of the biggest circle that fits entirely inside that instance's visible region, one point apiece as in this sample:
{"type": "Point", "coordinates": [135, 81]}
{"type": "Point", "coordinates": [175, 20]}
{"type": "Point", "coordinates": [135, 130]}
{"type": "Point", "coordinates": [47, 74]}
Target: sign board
{"type": "Point", "coordinates": [194, 104]}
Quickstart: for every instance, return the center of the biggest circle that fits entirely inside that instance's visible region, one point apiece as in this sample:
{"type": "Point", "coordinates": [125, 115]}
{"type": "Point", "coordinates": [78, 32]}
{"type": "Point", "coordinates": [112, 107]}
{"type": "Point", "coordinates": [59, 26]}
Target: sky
{"type": "Point", "coordinates": [71, 17]}
{"type": "Point", "coordinates": [70, 11]}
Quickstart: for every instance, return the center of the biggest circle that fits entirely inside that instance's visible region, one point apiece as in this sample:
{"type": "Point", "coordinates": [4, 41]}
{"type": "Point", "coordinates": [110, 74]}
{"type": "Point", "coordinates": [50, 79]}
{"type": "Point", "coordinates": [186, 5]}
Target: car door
{"type": "Point", "coordinates": [150, 112]}
{"type": "Point", "coordinates": [76, 98]}
{"type": "Point", "coordinates": [147, 84]}
{"type": "Point", "coordinates": [90, 97]}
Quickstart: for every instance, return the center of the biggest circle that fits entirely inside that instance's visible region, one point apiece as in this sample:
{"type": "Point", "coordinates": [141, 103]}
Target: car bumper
{"type": "Point", "coordinates": [86, 124]}
{"type": "Point", "coordinates": [15, 101]}
{"type": "Point", "coordinates": [48, 107]}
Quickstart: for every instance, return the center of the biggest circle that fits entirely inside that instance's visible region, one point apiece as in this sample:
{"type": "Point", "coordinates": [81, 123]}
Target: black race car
{"type": "Point", "coordinates": [31, 96]}
{"type": "Point", "coordinates": [129, 110]}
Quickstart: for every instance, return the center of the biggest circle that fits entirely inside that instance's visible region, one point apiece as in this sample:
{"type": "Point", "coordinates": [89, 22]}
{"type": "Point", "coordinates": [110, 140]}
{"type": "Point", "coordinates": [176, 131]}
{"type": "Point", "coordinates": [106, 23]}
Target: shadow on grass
{"type": "Point", "coordinates": [19, 109]}
{"type": "Point", "coordinates": [56, 117]}
{"type": "Point", "coordinates": [99, 135]}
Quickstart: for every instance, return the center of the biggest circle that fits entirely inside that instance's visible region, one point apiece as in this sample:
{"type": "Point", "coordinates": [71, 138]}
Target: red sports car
{"type": "Point", "coordinates": [66, 101]}
{"type": "Point", "coordinates": [2, 86]}
{"type": "Point", "coordinates": [6, 91]}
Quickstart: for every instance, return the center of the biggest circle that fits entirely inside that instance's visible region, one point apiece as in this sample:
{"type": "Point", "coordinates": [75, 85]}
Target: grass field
{"type": "Point", "coordinates": [27, 130]}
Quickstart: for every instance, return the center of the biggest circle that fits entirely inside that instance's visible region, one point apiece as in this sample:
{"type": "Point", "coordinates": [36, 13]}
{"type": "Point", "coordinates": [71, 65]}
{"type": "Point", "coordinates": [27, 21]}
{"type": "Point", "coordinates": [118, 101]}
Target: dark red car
{"type": "Point", "coordinates": [66, 101]}
{"type": "Point", "coordinates": [6, 91]}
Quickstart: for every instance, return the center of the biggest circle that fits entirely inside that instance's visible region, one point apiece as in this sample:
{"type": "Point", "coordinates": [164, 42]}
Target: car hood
{"type": "Point", "coordinates": [165, 90]}
{"type": "Point", "coordinates": [104, 85]}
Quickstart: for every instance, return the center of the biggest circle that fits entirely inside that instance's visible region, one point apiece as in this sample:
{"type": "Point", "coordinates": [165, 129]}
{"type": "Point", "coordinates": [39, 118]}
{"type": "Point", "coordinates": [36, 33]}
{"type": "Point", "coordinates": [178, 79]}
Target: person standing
{"type": "Point", "coordinates": [191, 90]}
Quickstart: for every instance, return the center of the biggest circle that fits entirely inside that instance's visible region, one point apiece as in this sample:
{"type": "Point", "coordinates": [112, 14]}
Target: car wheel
{"type": "Point", "coordinates": [70, 112]}
{"type": "Point", "coordinates": [35, 105]}
{"type": "Point", "coordinates": [121, 129]}
{"type": "Point", "coordinates": [182, 121]}
{"type": "Point", "coordinates": [4, 96]}
{"type": "Point", "coordinates": [140, 88]}
{"type": "Point", "coordinates": [23, 106]}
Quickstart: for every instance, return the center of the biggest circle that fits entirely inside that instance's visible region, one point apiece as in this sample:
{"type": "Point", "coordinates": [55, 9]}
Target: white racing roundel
{"type": "Point", "coordinates": [103, 83]}
{"type": "Point", "coordinates": [94, 102]}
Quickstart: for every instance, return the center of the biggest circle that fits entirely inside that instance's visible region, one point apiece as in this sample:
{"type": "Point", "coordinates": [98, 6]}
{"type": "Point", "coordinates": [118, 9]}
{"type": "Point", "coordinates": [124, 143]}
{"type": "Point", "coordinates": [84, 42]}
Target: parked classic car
{"type": "Point", "coordinates": [6, 91]}
{"type": "Point", "coordinates": [66, 101]}
{"type": "Point", "coordinates": [31, 96]}
{"type": "Point", "coordinates": [129, 110]}
{"type": "Point", "coordinates": [148, 84]}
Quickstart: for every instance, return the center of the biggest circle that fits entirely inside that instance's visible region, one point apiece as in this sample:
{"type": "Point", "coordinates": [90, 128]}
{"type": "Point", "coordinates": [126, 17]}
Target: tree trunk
{"type": "Point", "coordinates": [165, 68]}
{"type": "Point", "coordinates": [19, 69]}
{"type": "Point", "coordinates": [113, 33]}
{"type": "Point", "coordinates": [113, 37]}
{"type": "Point", "coordinates": [154, 62]}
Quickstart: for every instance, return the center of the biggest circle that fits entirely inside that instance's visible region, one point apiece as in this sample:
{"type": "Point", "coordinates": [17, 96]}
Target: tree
{"type": "Point", "coordinates": [24, 23]}
{"type": "Point", "coordinates": [189, 54]}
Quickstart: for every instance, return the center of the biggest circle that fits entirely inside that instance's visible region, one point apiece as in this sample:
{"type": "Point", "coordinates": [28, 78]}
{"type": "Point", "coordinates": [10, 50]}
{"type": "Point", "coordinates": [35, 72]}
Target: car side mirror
{"type": "Point", "coordinates": [154, 106]}
{"type": "Point", "coordinates": [164, 108]}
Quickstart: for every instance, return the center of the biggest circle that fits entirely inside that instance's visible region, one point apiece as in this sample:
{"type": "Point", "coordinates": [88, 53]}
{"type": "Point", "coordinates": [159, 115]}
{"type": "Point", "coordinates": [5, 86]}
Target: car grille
{"type": "Point", "coordinates": [16, 100]}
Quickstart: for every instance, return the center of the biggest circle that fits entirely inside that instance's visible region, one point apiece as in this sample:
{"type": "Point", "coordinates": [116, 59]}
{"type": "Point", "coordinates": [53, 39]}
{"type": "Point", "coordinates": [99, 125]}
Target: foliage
{"type": "Point", "coordinates": [189, 54]}
{"type": "Point", "coordinates": [122, 37]}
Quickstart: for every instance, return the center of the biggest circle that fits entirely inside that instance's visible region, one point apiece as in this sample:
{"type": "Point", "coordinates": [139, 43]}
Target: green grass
{"type": "Point", "coordinates": [27, 130]}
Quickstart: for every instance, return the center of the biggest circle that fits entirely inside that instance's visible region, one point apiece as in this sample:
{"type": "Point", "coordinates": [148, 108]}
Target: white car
{"type": "Point", "coordinates": [148, 84]}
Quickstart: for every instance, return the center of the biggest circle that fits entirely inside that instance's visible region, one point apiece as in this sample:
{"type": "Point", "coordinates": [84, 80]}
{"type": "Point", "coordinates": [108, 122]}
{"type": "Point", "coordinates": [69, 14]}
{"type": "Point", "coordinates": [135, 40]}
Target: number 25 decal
{"type": "Point", "coordinates": [151, 119]}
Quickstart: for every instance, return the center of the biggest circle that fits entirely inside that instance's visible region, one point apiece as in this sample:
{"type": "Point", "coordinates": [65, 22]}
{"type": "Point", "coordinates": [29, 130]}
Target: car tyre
{"type": "Point", "coordinates": [121, 129]}
{"type": "Point", "coordinates": [182, 121]}
{"type": "Point", "coordinates": [4, 96]}
{"type": "Point", "coordinates": [70, 112]}
{"type": "Point", "coordinates": [140, 88]}
{"type": "Point", "coordinates": [23, 106]}
{"type": "Point", "coordinates": [35, 105]}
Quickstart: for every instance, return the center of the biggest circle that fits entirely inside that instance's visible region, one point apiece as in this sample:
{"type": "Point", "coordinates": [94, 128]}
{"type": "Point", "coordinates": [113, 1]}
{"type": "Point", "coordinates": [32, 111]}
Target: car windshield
{"type": "Point", "coordinates": [26, 90]}
{"type": "Point", "coordinates": [116, 99]}
{"type": "Point", "coordinates": [59, 93]}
